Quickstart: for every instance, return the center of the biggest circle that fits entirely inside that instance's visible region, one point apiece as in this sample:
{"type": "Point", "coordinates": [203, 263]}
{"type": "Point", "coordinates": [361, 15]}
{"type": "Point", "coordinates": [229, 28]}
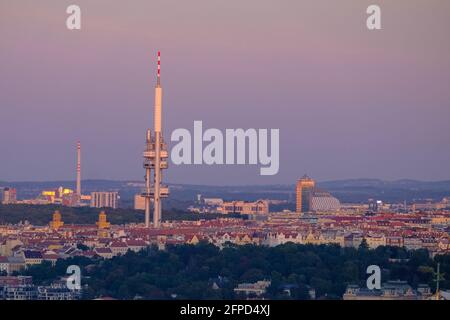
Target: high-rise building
{"type": "Point", "coordinates": [375, 205]}
{"type": "Point", "coordinates": [9, 195]}
{"type": "Point", "coordinates": [104, 199]}
{"type": "Point", "coordinates": [304, 193]}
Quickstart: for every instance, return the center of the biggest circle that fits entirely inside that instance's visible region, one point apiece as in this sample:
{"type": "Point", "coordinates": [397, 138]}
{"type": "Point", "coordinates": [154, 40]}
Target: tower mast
{"type": "Point", "coordinates": [155, 158]}
{"type": "Point", "coordinates": [157, 176]}
{"type": "Point", "coordinates": [148, 166]}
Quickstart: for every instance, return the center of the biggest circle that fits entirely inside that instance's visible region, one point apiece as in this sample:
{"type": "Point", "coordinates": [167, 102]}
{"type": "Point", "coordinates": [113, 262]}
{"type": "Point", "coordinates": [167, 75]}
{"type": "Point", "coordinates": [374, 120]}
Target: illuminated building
{"type": "Point", "coordinates": [57, 222]}
{"type": "Point", "coordinates": [304, 194]}
{"type": "Point", "coordinates": [59, 196]}
{"type": "Point", "coordinates": [102, 224]}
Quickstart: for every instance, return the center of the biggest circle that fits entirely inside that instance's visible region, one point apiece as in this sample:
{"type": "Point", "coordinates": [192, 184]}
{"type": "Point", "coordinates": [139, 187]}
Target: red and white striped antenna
{"type": "Point", "coordinates": [78, 182]}
{"type": "Point", "coordinates": [158, 79]}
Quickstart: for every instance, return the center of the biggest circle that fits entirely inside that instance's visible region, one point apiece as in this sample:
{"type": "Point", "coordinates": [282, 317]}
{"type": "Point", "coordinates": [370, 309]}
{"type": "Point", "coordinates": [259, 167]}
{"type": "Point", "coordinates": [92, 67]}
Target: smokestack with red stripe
{"type": "Point", "coordinates": [78, 168]}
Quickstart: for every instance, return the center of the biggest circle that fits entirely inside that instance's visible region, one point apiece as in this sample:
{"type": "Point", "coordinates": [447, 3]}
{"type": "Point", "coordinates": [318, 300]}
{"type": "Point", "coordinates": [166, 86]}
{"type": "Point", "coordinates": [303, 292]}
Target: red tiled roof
{"type": "Point", "coordinates": [103, 250]}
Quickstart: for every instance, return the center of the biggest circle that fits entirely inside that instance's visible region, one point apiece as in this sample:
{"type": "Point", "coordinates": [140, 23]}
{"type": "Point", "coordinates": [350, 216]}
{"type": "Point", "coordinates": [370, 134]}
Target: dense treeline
{"type": "Point", "coordinates": [42, 214]}
{"type": "Point", "coordinates": [188, 272]}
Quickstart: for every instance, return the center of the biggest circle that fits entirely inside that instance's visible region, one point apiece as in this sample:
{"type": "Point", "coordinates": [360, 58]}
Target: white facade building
{"type": "Point", "coordinates": [104, 199]}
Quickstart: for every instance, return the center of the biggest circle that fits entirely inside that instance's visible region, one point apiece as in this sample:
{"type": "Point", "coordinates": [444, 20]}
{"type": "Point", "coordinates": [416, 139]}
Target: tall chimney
{"type": "Point", "coordinates": [78, 168]}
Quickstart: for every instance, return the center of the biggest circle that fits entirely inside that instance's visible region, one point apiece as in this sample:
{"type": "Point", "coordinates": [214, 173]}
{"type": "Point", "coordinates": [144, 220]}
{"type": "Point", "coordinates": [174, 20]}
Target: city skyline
{"type": "Point", "coordinates": [227, 158]}
{"type": "Point", "coordinates": [341, 100]}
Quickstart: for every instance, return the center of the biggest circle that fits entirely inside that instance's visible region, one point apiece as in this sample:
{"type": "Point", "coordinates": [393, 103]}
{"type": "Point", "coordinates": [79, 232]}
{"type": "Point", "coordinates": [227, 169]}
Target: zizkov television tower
{"type": "Point", "coordinates": [155, 159]}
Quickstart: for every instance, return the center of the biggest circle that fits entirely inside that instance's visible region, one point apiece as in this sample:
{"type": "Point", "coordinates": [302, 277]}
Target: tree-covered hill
{"type": "Point", "coordinates": [188, 271]}
{"type": "Point", "coordinates": [42, 214]}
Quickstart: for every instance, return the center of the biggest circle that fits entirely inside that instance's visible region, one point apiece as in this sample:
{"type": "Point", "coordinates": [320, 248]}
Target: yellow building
{"type": "Point", "coordinates": [102, 223]}
{"type": "Point", "coordinates": [304, 193]}
{"type": "Point", "coordinates": [57, 222]}
{"type": "Point", "coordinates": [194, 240]}
{"type": "Point", "coordinates": [374, 241]}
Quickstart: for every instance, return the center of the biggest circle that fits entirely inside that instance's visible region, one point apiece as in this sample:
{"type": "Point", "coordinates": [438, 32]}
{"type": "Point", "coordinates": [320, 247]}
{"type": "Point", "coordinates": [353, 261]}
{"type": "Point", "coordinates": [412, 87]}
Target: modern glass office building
{"type": "Point", "coordinates": [304, 193]}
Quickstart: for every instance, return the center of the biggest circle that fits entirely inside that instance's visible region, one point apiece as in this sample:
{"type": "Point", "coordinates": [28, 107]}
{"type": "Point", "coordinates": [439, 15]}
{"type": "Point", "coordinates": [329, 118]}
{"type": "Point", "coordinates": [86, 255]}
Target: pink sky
{"type": "Point", "coordinates": [348, 102]}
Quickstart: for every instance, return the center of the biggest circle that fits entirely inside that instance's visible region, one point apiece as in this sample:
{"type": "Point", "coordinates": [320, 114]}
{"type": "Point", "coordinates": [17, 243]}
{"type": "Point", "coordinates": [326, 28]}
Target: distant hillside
{"type": "Point", "coordinates": [182, 195]}
{"type": "Point", "coordinates": [359, 190]}
{"type": "Point", "coordinates": [396, 184]}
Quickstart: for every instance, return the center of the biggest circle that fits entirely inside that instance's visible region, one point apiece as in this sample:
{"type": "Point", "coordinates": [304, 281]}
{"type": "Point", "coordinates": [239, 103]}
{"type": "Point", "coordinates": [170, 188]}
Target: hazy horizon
{"type": "Point", "coordinates": [223, 185]}
{"type": "Point", "coordinates": [349, 102]}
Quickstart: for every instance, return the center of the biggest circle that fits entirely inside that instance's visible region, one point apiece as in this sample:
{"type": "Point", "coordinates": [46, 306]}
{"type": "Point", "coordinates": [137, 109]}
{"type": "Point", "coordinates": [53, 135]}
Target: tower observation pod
{"type": "Point", "coordinates": [155, 160]}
